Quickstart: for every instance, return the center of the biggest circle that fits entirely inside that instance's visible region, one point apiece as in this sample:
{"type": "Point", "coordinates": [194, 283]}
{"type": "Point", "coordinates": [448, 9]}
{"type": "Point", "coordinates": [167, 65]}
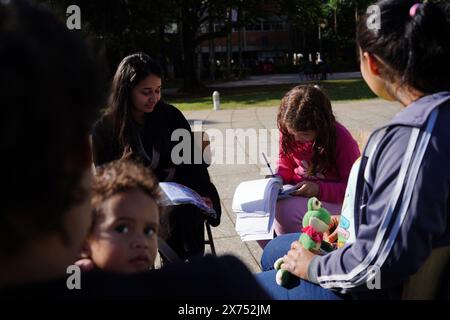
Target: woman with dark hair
{"type": "Point", "coordinates": [139, 125]}
{"type": "Point", "coordinates": [401, 230]}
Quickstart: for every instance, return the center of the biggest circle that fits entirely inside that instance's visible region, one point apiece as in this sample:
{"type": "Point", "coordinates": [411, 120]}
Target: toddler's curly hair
{"type": "Point", "coordinates": [123, 175]}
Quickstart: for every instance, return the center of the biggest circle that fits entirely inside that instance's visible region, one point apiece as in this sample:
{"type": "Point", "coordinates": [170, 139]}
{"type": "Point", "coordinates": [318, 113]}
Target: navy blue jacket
{"type": "Point", "coordinates": [401, 215]}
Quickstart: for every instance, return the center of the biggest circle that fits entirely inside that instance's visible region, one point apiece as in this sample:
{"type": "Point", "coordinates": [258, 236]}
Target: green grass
{"type": "Point", "coordinates": [268, 96]}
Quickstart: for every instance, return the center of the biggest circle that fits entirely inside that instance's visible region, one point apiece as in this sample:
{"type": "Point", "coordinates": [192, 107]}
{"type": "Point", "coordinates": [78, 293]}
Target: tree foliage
{"type": "Point", "coordinates": [173, 30]}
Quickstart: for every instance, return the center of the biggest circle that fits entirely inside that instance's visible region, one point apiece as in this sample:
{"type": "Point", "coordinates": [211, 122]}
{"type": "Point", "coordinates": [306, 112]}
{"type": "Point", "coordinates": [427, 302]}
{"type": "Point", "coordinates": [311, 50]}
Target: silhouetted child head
{"type": "Point", "coordinates": [126, 216]}
{"type": "Point", "coordinates": [305, 116]}
{"type": "Point", "coordinates": [51, 90]}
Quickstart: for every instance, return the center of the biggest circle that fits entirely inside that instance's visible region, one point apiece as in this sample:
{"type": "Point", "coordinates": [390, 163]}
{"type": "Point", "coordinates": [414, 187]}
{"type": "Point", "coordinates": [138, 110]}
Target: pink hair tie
{"type": "Point", "coordinates": [413, 10]}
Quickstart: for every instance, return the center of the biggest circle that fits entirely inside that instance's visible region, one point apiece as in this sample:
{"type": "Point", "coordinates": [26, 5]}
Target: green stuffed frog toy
{"type": "Point", "coordinates": [315, 222]}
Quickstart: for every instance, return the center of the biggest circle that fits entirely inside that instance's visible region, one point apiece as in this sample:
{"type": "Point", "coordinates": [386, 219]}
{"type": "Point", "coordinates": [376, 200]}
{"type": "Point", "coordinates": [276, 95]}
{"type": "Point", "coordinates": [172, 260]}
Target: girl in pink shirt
{"type": "Point", "coordinates": [316, 152]}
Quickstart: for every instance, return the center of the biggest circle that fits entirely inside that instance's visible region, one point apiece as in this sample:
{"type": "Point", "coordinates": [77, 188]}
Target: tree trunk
{"type": "Point", "coordinates": [190, 81]}
{"type": "Point", "coordinates": [199, 65]}
{"type": "Point", "coordinates": [292, 43]}
{"type": "Point", "coordinates": [229, 53]}
{"type": "Point", "coordinates": [162, 50]}
{"type": "Point", "coordinates": [240, 40]}
{"type": "Point", "coordinates": [241, 60]}
{"type": "Point", "coordinates": [212, 54]}
{"type": "Point", "coordinates": [229, 47]}
{"type": "Point", "coordinates": [335, 20]}
{"type": "Point", "coordinates": [304, 41]}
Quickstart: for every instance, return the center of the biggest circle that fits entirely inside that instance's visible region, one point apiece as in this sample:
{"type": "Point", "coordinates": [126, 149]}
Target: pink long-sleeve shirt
{"type": "Point", "coordinates": [293, 167]}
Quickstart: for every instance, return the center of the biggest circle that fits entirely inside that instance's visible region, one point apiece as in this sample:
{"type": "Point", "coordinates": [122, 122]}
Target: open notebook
{"type": "Point", "coordinates": [254, 203]}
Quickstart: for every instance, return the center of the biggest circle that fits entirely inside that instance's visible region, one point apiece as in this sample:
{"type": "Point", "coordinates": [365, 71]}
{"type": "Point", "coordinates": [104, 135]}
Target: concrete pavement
{"type": "Point", "coordinates": [360, 117]}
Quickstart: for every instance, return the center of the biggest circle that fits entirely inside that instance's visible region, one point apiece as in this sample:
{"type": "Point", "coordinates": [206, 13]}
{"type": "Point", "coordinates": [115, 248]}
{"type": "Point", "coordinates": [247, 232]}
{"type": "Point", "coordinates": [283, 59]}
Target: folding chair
{"type": "Point", "coordinates": [167, 254]}
{"type": "Point", "coordinates": [210, 240]}
{"type": "Point", "coordinates": [206, 153]}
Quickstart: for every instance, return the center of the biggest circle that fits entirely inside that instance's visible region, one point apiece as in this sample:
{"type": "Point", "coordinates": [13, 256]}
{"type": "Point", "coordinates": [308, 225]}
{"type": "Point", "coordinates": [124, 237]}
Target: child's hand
{"type": "Point", "coordinates": [332, 234]}
{"type": "Point", "coordinates": [297, 260]}
{"type": "Point", "coordinates": [307, 189]}
{"type": "Point", "coordinates": [85, 264]}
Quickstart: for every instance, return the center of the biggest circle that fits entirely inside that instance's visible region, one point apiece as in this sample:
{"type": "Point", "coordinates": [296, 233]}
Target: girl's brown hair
{"type": "Point", "coordinates": [305, 108]}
